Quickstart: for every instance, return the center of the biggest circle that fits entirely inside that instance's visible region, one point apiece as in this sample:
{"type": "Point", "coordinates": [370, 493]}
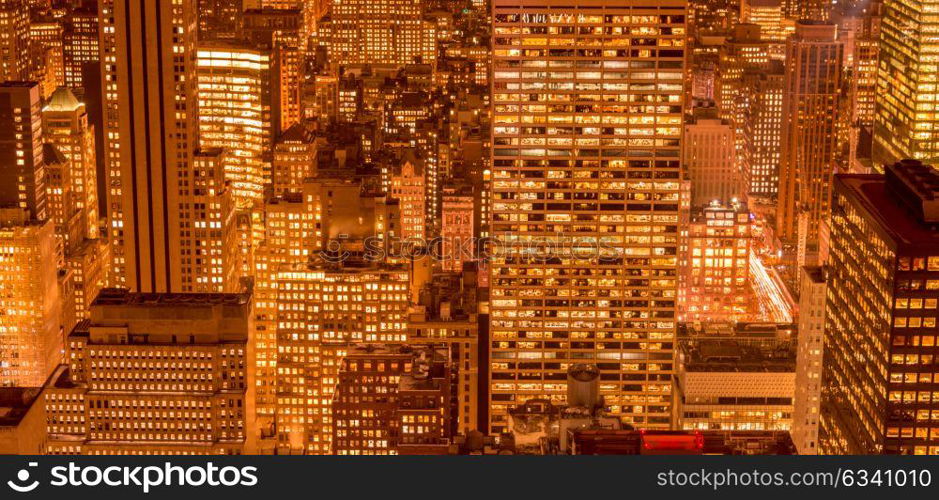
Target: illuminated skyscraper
{"type": "Point", "coordinates": [716, 279]}
{"type": "Point", "coordinates": [408, 188]}
{"type": "Point", "coordinates": [22, 177]}
{"type": "Point", "coordinates": [168, 374]}
{"type": "Point", "coordinates": [66, 129]}
{"type": "Point", "coordinates": [864, 63]}
{"type": "Point", "coordinates": [710, 159]}
{"type": "Point", "coordinates": [745, 51]}
{"type": "Point", "coordinates": [457, 227]}
{"type": "Point", "coordinates": [377, 31]}
{"type": "Point", "coordinates": [30, 338]}
{"type": "Point", "coordinates": [283, 31]}
{"type": "Point", "coordinates": [586, 170]}
{"type": "Point", "coordinates": [47, 55]}
{"type": "Point", "coordinates": [812, 10]}
{"type": "Point", "coordinates": [814, 71]}
{"type": "Point", "coordinates": [762, 130]}
{"type": "Point", "coordinates": [81, 45]}
{"type": "Point", "coordinates": [713, 16]}
{"type": "Point", "coordinates": [882, 302]}
{"type": "Point", "coordinates": [294, 159]}
{"type": "Point", "coordinates": [14, 40]}
{"type": "Point", "coordinates": [770, 16]}
{"type": "Point", "coordinates": [809, 359]}
{"type": "Point", "coordinates": [65, 125]}
{"type": "Point", "coordinates": [220, 19]}
{"type": "Point", "coordinates": [208, 249]}
{"type": "Point", "coordinates": [390, 399]}
{"type": "Point", "coordinates": [148, 70]}
{"type": "Point", "coordinates": [290, 237]}
{"type": "Point", "coordinates": [234, 91]}
{"type": "Point", "coordinates": [323, 311]}
{"type": "Point", "coordinates": [905, 122]}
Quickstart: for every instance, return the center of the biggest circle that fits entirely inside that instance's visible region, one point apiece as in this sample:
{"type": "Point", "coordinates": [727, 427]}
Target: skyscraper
{"type": "Point", "coordinates": [167, 374]}
{"type": "Point", "coordinates": [377, 31]}
{"type": "Point", "coordinates": [73, 195]}
{"type": "Point", "coordinates": [65, 126]}
{"type": "Point", "coordinates": [809, 358]}
{"type": "Point", "coordinates": [710, 159]}
{"type": "Point", "coordinates": [283, 31]}
{"type": "Point", "coordinates": [880, 330]}
{"type": "Point", "coordinates": [47, 62]}
{"type": "Point", "coordinates": [81, 45]}
{"type": "Point", "coordinates": [904, 121]}
{"type": "Point", "coordinates": [148, 55]}
{"type": "Point", "coordinates": [235, 107]}
{"type": "Point", "coordinates": [762, 130]}
{"type": "Point", "coordinates": [14, 40]}
{"type": "Point", "coordinates": [586, 169]}
{"type": "Point", "coordinates": [220, 19]}
{"type": "Point", "coordinates": [22, 172]}
{"type": "Point", "coordinates": [811, 93]}
{"type": "Point", "coordinates": [322, 312]}
{"type": "Point", "coordinates": [30, 342]}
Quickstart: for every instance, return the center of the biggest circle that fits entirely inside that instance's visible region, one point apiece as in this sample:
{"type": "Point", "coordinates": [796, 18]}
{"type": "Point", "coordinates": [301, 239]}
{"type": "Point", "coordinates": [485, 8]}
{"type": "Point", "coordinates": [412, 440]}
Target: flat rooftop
{"type": "Point", "coordinates": [738, 355]}
{"type": "Point", "coordinates": [119, 297]}
{"type": "Point", "coordinates": [15, 403]}
{"type": "Point", "coordinates": [894, 220]}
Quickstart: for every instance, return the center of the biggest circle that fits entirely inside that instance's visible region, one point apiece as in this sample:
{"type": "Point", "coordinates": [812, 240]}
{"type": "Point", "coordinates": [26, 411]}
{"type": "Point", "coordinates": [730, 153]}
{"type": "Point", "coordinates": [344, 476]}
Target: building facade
{"type": "Point", "coordinates": [577, 162]}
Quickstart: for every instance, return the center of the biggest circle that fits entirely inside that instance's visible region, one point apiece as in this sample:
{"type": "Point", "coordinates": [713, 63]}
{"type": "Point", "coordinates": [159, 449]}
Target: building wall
{"type": "Point", "coordinates": [551, 185]}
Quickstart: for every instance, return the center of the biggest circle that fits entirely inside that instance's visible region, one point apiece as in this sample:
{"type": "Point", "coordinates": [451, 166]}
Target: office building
{"type": "Point", "coordinates": [809, 358]}
{"type": "Point", "coordinates": [81, 45]}
{"type": "Point", "coordinates": [234, 94]}
{"type": "Point", "coordinates": [30, 335]}
{"type": "Point", "coordinates": [22, 178]}
{"type": "Point", "coordinates": [567, 175]}
{"type": "Point", "coordinates": [149, 78]}
{"type": "Point", "coordinates": [14, 40]}
{"type": "Point", "coordinates": [710, 159]}
{"type": "Point", "coordinates": [811, 107]}
{"type": "Point", "coordinates": [904, 122]}
{"type": "Point", "coordinates": [168, 374]}
{"type": "Point", "coordinates": [716, 283]}
{"type": "Point", "coordinates": [323, 311]}
{"type": "Point", "coordinates": [735, 383]}
{"type": "Point", "coordinates": [882, 299]}
{"type": "Point", "coordinates": [377, 31]}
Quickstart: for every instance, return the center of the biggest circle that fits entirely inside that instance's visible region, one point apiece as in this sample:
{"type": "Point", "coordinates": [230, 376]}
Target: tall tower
{"type": "Point", "coordinates": [880, 326]}
{"type": "Point", "coordinates": [30, 342]}
{"type": "Point", "coordinates": [65, 125]}
{"type": "Point", "coordinates": [586, 167]}
{"type": "Point", "coordinates": [234, 92]}
{"type": "Point", "coordinates": [73, 195]}
{"type": "Point", "coordinates": [905, 84]}
{"type": "Point", "coordinates": [148, 78]}
{"type": "Point", "coordinates": [22, 172]}
{"type": "Point", "coordinates": [812, 87]}
{"type": "Point", "coordinates": [14, 40]}
{"type": "Point", "coordinates": [81, 45]}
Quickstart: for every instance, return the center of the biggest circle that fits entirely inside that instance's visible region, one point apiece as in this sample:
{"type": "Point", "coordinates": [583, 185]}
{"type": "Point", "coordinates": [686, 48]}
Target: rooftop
{"type": "Point", "coordinates": [895, 220]}
{"type": "Point", "coordinates": [119, 296]}
{"type": "Point", "coordinates": [738, 355]}
{"type": "Point", "coordinates": [15, 403]}
{"type": "Point", "coordinates": [62, 99]}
